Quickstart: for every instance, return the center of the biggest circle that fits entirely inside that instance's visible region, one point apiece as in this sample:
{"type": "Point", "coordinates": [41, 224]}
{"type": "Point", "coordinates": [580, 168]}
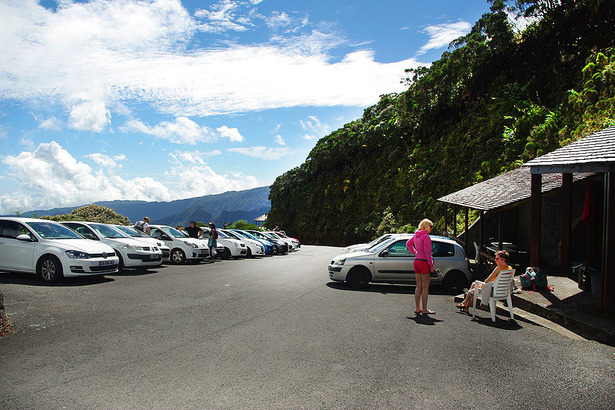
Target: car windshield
{"type": "Point", "coordinates": [130, 231]}
{"type": "Point", "coordinates": [380, 246]}
{"type": "Point", "coordinates": [274, 235]}
{"type": "Point", "coordinates": [245, 234]}
{"type": "Point", "coordinates": [51, 230]}
{"type": "Point", "coordinates": [223, 235]}
{"type": "Point", "coordinates": [173, 232]}
{"type": "Point", "coordinates": [232, 234]}
{"type": "Point", "coordinates": [378, 240]}
{"type": "Point", "coordinates": [107, 232]}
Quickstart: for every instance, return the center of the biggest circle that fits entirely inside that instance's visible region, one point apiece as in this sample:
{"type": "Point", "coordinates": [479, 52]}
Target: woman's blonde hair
{"type": "Point", "coordinates": [424, 224]}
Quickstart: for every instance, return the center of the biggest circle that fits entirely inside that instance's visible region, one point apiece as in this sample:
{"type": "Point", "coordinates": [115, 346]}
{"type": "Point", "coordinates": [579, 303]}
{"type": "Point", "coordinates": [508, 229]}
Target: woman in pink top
{"type": "Point", "coordinates": [420, 246]}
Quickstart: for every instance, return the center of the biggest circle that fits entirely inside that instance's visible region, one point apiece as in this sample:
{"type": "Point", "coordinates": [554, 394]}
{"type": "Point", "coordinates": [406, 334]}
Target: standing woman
{"type": "Point", "coordinates": [420, 246]}
{"type": "Point", "coordinates": [213, 241]}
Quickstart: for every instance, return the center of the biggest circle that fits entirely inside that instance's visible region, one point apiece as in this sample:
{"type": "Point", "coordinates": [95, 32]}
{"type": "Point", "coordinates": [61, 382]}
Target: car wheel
{"type": "Point", "coordinates": [227, 254]}
{"type": "Point", "coordinates": [49, 269]}
{"type": "Point", "coordinates": [358, 278]}
{"type": "Point", "coordinates": [454, 282]}
{"type": "Point", "coordinates": [274, 251]}
{"type": "Point", "coordinates": [249, 253]}
{"type": "Point", "coordinates": [178, 256]}
{"type": "Point", "coordinates": [120, 264]}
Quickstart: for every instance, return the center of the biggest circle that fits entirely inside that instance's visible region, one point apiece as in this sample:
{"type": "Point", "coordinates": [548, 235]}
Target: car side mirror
{"type": "Point", "coordinates": [24, 237]}
{"type": "Point", "coordinates": [165, 237]}
{"type": "Point", "coordinates": [384, 253]}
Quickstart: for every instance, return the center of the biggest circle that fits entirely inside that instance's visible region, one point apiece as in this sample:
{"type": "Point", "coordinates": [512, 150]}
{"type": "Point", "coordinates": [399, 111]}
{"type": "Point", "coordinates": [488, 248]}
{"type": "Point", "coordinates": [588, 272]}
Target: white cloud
{"type": "Point", "coordinates": [260, 152]}
{"type": "Point", "coordinates": [279, 140]}
{"type": "Point", "coordinates": [519, 22]}
{"type": "Point", "coordinates": [221, 17]}
{"type": "Point", "coordinates": [314, 127]}
{"type": "Point", "coordinates": [50, 123]}
{"type": "Point", "coordinates": [181, 131]}
{"type": "Point", "coordinates": [231, 133]}
{"type": "Point", "coordinates": [194, 177]}
{"type": "Point", "coordinates": [51, 177]}
{"type": "Point", "coordinates": [91, 56]}
{"type": "Point", "coordinates": [105, 160]}
{"type": "Point", "coordinates": [89, 116]}
{"type": "Point", "coordinates": [441, 35]}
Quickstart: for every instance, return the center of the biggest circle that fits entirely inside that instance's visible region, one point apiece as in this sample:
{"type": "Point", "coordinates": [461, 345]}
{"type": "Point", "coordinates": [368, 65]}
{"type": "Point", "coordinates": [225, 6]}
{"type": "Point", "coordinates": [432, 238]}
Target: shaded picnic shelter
{"type": "Point", "coordinates": [536, 208]}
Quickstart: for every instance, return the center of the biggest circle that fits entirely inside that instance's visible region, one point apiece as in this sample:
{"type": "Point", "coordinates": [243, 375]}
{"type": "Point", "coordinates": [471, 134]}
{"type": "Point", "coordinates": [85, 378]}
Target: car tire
{"type": "Point", "coordinates": [358, 278]}
{"type": "Point", "coordinates": [120, 264]}
{"type": "Point", "coordinates": [454, 282]}
{"type": "Point", "coordinates": [227, 254]}
{"type": "Point", "coordinates": [249, 253]}
{"type": "Point", "coordinates": [274, 251]}
{"type": "Point", "coordinates": [49, 269]}
{"type": "Point", "coordinates": [178, 256]}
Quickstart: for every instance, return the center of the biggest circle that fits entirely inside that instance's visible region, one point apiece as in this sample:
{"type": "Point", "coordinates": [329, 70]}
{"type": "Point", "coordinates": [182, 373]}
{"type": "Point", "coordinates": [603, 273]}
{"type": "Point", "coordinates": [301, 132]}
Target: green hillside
{"type": "Point", "coordinates": [496, 99]}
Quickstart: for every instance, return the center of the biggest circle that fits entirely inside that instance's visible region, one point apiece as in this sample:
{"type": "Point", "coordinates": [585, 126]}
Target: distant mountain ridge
{"type": "Point", "coordinates": [226, 207]}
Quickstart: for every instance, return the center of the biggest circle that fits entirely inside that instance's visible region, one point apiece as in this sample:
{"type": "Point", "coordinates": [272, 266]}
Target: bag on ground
{"type": "Point", "coordinates": [533, 279]}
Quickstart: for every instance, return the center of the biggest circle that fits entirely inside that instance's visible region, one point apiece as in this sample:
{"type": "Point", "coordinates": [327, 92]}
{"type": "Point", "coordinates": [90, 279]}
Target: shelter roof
{"type": "Point", "coordinates": [503, 190]}
{"type": "Point", "coordinates": [595, 153]}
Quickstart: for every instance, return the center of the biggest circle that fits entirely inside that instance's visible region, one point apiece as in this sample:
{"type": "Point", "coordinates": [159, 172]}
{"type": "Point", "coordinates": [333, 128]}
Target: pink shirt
{"type": "Point", "coordinates": [420, 246]}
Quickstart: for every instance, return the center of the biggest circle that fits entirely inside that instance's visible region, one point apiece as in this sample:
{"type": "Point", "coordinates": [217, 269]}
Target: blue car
{"type": "Point", "coordinates": [269, 247]}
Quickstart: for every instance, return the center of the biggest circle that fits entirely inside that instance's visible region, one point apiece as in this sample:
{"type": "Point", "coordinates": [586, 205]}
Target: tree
{"type": "Point", "coordinates": [92, 213]}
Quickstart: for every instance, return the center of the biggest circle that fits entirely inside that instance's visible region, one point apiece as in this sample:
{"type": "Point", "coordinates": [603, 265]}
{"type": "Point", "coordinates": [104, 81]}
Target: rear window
{"type": "Point", "coordinates": [441, 249]}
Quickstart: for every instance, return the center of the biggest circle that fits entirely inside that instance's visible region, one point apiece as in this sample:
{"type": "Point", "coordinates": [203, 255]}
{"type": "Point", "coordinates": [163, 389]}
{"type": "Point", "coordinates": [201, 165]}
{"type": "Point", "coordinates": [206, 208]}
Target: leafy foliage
{"type": "Point", "coordinates": [496, 99]}
{"type": "Point", "coordinates": [92, 213]}
{"type": "Point", "coordinates": [244, 225]}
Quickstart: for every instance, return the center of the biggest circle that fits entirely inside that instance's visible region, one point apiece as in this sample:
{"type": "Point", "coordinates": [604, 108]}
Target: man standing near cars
{"type": "Point", "coordinates": [193, 230]}
{"type": "Point", "coordinates": [213, 241]}
{"type": "Point", "coordinates": [143, 225]}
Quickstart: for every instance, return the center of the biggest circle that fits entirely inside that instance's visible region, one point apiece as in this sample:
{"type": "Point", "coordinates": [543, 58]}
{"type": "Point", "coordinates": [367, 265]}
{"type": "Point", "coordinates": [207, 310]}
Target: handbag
{"type": "Point", "coordinates": [437, 274]}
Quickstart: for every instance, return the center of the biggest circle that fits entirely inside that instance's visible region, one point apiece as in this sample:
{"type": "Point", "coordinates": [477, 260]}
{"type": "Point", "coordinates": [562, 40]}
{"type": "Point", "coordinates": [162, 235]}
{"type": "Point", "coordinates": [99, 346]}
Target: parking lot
{"type": "Point", "coordinates": [276, 333]}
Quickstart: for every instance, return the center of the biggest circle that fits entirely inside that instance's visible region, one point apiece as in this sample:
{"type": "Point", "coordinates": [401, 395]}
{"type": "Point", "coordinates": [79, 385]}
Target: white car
{"type": "Point", "coordinates": [132, 253]}
{"type": "Point", "coordinates": [233, 248]}
{"type": "Point", "coordinates": [253, 247]}
{"type": "Point", "coordinates": [182, 247]}
{"type": "Point", "coordinates": [365, 246]}
{"type": "Point", "coordinates": [51, 250]}
{"type": "Point", "coordinates": [142, 236]}
{"type": "Point", "coordinates": [392, 262]}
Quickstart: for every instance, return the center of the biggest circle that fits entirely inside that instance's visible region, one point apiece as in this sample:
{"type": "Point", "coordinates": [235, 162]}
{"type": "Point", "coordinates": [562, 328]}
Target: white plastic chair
{"type": "Point", "coordinates": [501, 289]}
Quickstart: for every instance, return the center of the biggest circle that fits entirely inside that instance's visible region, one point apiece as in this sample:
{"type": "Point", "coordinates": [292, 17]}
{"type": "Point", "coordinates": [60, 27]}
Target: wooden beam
{"type": "Point", "coordinates": [455, 210]}
{"type": "Point", "coordinates": [536, 222]}
{"type": "Point", "coordinates": [500, 246]}
{"type": "Point", "coordinates": [573, 168]}
{"type": "Point", "coordinates": [446, 220]}
{"type": "Point", "coordinates": [607, 299]}
{"type": "Point", "coordinates": [466, 235]}
{"type": "Point", "coordinates": [564, 257]}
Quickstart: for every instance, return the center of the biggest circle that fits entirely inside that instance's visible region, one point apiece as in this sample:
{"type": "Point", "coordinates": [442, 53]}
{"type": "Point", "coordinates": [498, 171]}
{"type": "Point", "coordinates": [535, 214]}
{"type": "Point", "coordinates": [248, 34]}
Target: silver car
{"type": "Point", "coordinates": [392, 262]}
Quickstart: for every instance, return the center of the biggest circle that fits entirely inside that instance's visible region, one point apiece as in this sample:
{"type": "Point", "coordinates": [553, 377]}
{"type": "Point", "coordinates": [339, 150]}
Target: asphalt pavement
{"type": "Point", "coordinates": [274, 332]}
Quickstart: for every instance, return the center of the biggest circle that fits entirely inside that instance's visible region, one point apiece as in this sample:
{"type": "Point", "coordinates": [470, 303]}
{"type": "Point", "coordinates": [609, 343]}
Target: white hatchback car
{"type": "Point", "coordinates": [182, 247]}
{"type": "Point", "coordinates": [392, 262]}
{"type": "Point", "coordinates": [51, 250]}
{"type": "Point", "coordinates": [231, 247]}
{"type": "Point", "coordinates": [142, 236]}
{"type": "Point", "coordinates": [132, 253]}
{"type": "Point", "coordinates": [253, 247]}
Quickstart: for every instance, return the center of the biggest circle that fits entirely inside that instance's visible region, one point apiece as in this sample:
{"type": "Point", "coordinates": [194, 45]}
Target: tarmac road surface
{"type": "Point", "coordinates": [275, 333]}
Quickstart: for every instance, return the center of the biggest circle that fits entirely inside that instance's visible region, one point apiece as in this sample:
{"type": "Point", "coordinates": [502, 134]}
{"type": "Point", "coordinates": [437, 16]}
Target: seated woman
{"type": "Point", "coordinates": [501, 261]}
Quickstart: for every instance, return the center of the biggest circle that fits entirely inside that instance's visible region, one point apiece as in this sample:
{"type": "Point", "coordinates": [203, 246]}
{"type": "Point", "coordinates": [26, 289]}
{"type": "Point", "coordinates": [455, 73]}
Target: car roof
{"type": "Point", "coordinates": [25, 219]}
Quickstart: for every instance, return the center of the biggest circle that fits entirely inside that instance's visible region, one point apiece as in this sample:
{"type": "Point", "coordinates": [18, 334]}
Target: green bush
{"type": "Point", "coordinates": [92, 213]}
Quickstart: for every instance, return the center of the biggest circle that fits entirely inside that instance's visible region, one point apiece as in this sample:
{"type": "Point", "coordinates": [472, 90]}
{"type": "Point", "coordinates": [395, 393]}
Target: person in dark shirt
{"type": "Point", "coordinates": [193, 230]}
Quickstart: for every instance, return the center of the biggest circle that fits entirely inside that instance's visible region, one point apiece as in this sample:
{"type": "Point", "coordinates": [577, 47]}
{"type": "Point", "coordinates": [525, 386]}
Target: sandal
{"type": "Point", "coordinates": [429, 312]}
{"type": "Point", "coordinates": [461, 306]}
{"type": "Point", "coordinates": [418, 311]}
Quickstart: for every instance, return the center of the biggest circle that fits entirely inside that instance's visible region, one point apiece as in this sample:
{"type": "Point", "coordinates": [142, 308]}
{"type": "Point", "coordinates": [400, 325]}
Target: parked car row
{"type": "Point", "coordinates": [388, 260]}
{"type": "Point", "coordinates": [55, 250]}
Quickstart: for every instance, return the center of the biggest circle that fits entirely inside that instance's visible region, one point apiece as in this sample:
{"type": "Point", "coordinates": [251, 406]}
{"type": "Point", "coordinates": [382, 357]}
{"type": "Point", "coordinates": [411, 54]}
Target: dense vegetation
{"type": "Point", "coordinates": [496, 99]}
{"type": "Point", "coordinates": [92, 213]}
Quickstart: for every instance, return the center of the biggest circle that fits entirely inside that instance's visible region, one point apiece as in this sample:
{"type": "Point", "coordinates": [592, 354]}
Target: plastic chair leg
{"type": "Point", "coordinates": [510, 306]}
{"type": "Point", "coordinates": [492, 308]}
{"type": "Point", "coordinates": [474, 302]}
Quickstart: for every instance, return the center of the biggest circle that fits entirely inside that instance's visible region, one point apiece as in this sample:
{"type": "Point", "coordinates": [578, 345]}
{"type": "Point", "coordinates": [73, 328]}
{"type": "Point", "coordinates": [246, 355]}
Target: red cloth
{"type": "Point", "coordinates": [589, 209]}
{"type": "Point", "coordinates": [421, 267]}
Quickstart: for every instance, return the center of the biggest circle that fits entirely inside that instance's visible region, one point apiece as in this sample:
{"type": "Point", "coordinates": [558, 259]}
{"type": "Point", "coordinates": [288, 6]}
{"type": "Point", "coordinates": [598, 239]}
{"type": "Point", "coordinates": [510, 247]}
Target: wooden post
{"type": "Point", "coordinates": [467, 238]}
{"type": "Point", "coordinates": [500, 246]}
{"type": "Point", "coordinates": [455, 221]}
{"type": "Point", "coordinates": [446, 220]}
{"type": "Point", "coordinates": [566, 223]}
{"type": "Point", "coordinates": [536, 222]}
{"type": "Point", "coordinates": [607, 299]}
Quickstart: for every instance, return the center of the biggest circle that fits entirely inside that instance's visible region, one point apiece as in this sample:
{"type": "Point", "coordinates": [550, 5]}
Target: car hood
{"type": "Point", "coordinates": [353, 255]}
{"type": "Point", "coordinates": [83, 245]}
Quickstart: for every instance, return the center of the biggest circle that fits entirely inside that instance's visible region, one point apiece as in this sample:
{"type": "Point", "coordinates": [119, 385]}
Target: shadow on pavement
{"type": "Point", "coordinates": [386, 288]}
{"type": "Point", "coordinates": [506, 324]}
{"type": "Point", "coordinates": [135, 272]}
{"type": "Point", "coordinates": [32, 280]}
{"type": "Point", "coordinates": [422, 319]}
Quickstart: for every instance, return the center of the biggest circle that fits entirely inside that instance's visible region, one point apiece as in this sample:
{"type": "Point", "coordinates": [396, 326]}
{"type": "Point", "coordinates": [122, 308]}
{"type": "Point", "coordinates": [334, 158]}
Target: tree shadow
{"type": "Point", "coordinates": [386, 288]}
{"type": "Point", "coordinates": [29, 279]}
{"type": "Point", "coordinates": [422, 319]}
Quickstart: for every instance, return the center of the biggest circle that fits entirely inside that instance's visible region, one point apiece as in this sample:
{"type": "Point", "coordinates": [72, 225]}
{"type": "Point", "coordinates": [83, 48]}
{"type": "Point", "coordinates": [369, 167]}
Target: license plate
{"type": "Point", "coordinates": [105, 263]}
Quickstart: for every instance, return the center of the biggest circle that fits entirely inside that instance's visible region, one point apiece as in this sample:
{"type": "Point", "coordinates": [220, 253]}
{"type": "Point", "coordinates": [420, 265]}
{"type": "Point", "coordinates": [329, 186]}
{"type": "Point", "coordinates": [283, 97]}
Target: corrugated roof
{"type": "Point", "coordinates": [505, 189]}
{"type": "Point", "coordinates": [595, 153]}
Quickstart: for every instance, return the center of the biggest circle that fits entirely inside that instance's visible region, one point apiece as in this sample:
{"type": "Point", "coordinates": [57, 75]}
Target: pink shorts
{"type": "Point", "coordinates": [421, 267]}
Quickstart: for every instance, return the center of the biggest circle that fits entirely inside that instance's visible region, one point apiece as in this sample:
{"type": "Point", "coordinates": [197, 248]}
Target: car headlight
{"type": "Point", "coordinates": [192, 245]}
{"type": "Point", "coordinates": [130, 247]}
{"type": "Point", "coordinates": [77, 255]}
{"type": "Point", "coordinates": [339, 262]}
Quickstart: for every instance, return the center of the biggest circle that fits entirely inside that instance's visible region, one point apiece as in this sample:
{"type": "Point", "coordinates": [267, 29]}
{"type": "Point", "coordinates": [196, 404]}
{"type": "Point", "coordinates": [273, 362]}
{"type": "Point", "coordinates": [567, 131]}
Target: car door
{"type": "Point", "coordinates": [83, 230]}
{"type": "Point", "coordinates": [395, 263]}
{"type": "Point", "coordinates": [16, 254]}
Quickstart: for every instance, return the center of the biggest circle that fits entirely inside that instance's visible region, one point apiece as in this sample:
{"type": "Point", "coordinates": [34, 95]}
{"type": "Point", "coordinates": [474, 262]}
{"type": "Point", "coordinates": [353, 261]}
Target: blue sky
{"type": "Point", "coordinates": [169, 99]}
